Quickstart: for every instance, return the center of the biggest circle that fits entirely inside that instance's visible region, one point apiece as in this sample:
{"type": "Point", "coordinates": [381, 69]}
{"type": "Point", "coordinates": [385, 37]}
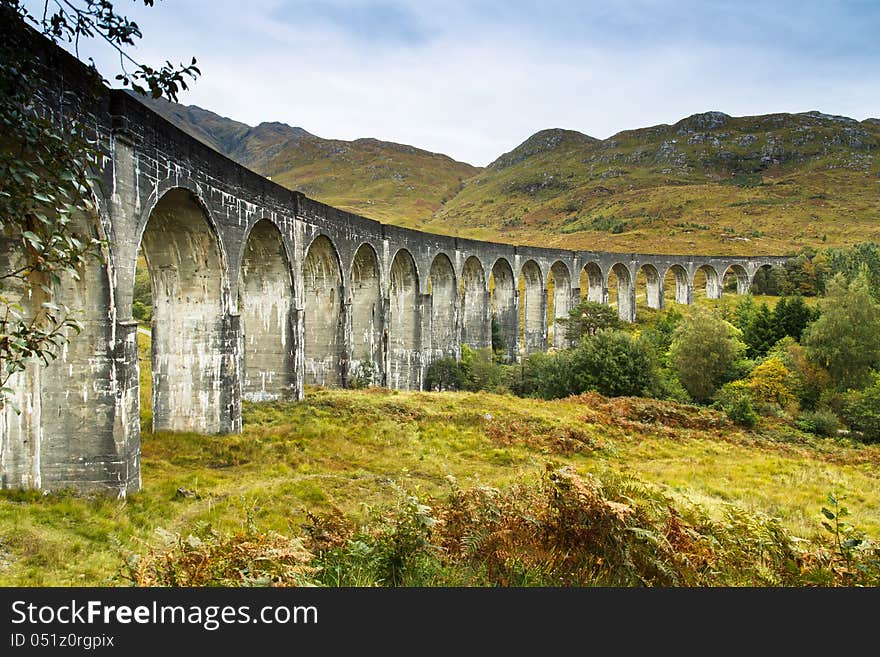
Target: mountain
{"type": "Point", "coordinates": [390, 182]}
{"type": "Point", "coordinates": [708, 183]}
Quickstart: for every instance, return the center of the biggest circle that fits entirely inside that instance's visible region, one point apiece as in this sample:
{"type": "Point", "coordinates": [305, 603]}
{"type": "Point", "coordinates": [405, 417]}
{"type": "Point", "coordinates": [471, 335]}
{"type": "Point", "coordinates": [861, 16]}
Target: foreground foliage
{"type": "Point", "coordinates": [564, 530]}
{"type": "Point", "coordinates": [356, 486]}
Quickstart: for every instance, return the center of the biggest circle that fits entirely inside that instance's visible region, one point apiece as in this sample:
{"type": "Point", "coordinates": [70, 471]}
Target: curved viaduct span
{"type": "Point", "coordinates": [259, 290]}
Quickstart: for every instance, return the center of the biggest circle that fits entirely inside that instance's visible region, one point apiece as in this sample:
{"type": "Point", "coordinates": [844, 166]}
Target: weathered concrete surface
{"type": "Point", "coordinates": [259, 289]}
{"type": "Point", "coordinates": [265, 292]}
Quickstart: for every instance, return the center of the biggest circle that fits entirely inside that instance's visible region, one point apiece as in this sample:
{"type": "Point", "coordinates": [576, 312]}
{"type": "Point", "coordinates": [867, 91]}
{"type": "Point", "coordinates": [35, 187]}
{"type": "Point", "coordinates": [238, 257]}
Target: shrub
{"type": "Point", "coordinates": [613, 363]}
{"type": "Point", "coordinates": [735, 399]}
{"type": "Point", "coordinates": [770, 383]}
{"type": "Point", "coordinates": [821, 422]}
{"type": "Point", "coordinates": [861, 410]}
{"type": "Point", "coordinates": [249, 557]}
{"type": "Point", "coordinates": [364, 375]}
{"type": "Point", "coordinates": [480, 370]}
{"type": "Point", "coordinates": [444, 374]}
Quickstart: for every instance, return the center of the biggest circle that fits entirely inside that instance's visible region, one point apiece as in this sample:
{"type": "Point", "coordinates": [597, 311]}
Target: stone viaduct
{"type": "Point", "coordinates": [259, 290]}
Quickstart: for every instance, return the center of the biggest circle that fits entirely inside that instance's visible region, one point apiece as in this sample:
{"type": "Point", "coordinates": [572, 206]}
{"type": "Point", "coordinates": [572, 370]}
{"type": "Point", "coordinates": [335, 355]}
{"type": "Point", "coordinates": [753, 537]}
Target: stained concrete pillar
{"type": "Point", "coordinates": [365, 321]}
{"type": "Point", "coordinates": [404, 334]}
{"type": "Point", "coordinates": [504, 308]}
{"type": "Point", "coordinates": [653, 287]}
{"type": "Point", "coordinates": [534, 309]}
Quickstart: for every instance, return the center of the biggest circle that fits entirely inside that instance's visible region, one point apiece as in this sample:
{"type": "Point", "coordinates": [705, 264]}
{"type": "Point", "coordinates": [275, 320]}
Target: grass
{"type": "Point", "coordinates": [350, 450]}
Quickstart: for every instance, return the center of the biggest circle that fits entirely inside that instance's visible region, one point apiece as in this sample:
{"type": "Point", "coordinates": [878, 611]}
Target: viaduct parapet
{"type": "Point", "coordinates": [259, 290]}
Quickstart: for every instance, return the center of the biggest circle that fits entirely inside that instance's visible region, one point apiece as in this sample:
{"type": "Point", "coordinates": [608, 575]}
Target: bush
{"type": "Point", "coordinates": [364, 375]}
{"type": "Point", "coordinates": [861, 410]}
{"type": "Point", "coordinates": [770, 383]}
{"type": "Point", "coordinates": [821, 423]}
{"type": "Point", "coordinates": [735, 399]}
{"type": "Point", "coordinates": [444, 374]}
{"type": "Point", "coordinates": [480, 370]}
{"type": "Point", "coordinates": [612, 363]}
{"type": "Point", "coordinates": [141, 312]}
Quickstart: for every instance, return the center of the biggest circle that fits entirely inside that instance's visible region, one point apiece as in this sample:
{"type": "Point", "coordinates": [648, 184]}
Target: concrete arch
{"type": "Point", "coordinates": [533, 308]}
{"type": "Point", "coordinates": [713, 281]}
{"type": "Point", "coordinates": [190, 345]}
{"type": "Point", "coordinates": [681, 281]}
{"type": "Point", "coordinates": [367, 317]}
{"type": "Point", "coordinates": [743, 280]}
{"type": "Point", "coordinates": [502, 304]}
{"type": "Point", "coordinates": [768, 278]}
{"type": "Point", "coordinates": [562, 301]}
{"type": "Point", "coordinates": [653, 285]}
{"type": "Point", "coordinates": [404, 324]}
{"type": "Point", "coordinates": [265, 291]}
{"type": "Point", "coordinates": [475, 322]}
{"type": "Point", "coordinates": [592, 282]}
{"type": "Point", "coordinates": [406, 252]}
{"type": "Point", "coordinates": [322, 314]}
{"type": "Point", "coordinates": [69, 428]}
{"type": "Point", "coordinates": [444, 309]}
{"type": "Point", "coordinates": [626, 291]}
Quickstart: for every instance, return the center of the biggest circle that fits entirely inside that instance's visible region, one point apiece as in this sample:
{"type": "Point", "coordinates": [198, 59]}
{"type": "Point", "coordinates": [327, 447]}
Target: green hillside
{"type": "Point", "coordinates": [710, 183]}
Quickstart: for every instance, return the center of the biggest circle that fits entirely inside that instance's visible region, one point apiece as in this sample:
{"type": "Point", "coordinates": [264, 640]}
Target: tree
{"type": "Point", "coordinates": [444, 374]}
{"type": "Point", "coordinates": [703, 351]}
{"type": "Point", "coordinates": [48, 171]}
{"type": "Point", "coordinates": [792, 316]}
{"type": "Point", "coordinates": [614, 363]}
{"type": "Point", "coordinates": [771, 382]}
{"type": "Point", "coordinates": [588, 318]}
{"type": "Point", "coordinates": [845, 339]}
{"type": "Point", "coordinates": [861, 411]}
{"type": "Point", "coordinates": [760, 332]}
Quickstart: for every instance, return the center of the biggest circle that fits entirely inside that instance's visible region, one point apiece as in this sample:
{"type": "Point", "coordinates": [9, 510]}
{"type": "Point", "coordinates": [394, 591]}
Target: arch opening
{"type": "Point", "coordinates": [736, 279]}
{"type": "Point", "coordinates": [676, 285]}
{"type": "Point", "coordinates": [770, 280]}
{"type": "Point", "coordinates": [265, 292]}
{"type": "Point", "coordinates": [322, 315]}
{"type": "Point", "coordinates": [62, 433]}
{"type": "Point", "coordinates": [189, 330]}
{"type": "Point", "coordinates": [404, 357]}
{"type": "Point", "coordinates": [558, 303]}
{"type": "Point", "coordinates": [707, 282]}
{"type": "Point", "coordinates": [621, 288]}
{"type": "Point", "coordinates": [366, 316]}
{"type": "Point", "coordinates": [444, 309]}
{"type": "Point", "coordinates": [592, 283]}
{"type": "Point", "coordinates": [476, 329]}
{"type": "Point", "coordinates": [533, 309]}
{"type": "Point", "coordinates": [648, 280]}
{"type": "Point", "coordinates": [502, 303]}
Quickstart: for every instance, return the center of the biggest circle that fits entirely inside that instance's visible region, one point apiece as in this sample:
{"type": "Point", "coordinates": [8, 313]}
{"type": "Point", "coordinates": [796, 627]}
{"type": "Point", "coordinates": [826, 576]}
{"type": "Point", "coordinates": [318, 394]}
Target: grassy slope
{"type": "Point", "coordinates": [709, 183]}
{"type": "Point", "coordinates": [348, 449]}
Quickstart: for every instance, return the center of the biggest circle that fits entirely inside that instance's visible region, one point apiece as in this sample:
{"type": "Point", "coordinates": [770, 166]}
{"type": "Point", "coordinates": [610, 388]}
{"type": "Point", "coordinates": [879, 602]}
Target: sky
{"type": "Point", "coordinates": [474, 79]}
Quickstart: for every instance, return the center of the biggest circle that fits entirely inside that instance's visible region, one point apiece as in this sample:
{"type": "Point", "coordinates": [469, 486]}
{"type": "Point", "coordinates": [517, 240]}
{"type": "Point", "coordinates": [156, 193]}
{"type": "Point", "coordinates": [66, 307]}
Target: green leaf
{"type": "Point", "coordinates": [851, 543]}
{"type": "Point", "coordinates": [832, 499]}
{"type": "Point", "coordinates": [828, 514]}
{"type": "Point", "coordinates": [828, 527]}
